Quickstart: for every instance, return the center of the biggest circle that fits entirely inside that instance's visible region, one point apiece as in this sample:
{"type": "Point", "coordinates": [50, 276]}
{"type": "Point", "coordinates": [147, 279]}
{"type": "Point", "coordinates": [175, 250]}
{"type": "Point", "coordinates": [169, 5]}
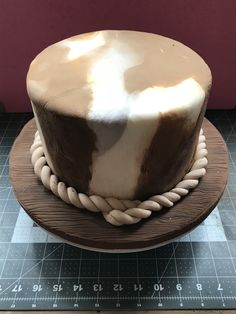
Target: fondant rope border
{"type": "Point", "coordinates": [115, 211]}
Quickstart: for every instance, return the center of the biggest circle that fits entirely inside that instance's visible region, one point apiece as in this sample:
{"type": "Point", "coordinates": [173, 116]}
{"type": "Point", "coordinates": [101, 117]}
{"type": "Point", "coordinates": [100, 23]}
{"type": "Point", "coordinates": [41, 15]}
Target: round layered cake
{"type": "Point", "coordinates": [119, 112]}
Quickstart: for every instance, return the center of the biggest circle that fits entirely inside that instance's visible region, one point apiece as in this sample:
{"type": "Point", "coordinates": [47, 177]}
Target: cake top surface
{"type": "Point", "coordinates": [112, 70]}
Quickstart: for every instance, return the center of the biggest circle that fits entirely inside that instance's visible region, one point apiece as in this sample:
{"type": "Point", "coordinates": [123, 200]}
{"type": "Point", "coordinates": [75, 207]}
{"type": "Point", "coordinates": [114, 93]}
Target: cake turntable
{"type": "Point", "coordinates": [88, 230]}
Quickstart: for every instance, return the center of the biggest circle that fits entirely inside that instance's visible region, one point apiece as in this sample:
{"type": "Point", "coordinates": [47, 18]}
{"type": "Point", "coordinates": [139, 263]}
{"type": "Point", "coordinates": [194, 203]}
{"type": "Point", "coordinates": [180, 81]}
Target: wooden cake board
{"type": "Point", "coordinates": [89, 230]}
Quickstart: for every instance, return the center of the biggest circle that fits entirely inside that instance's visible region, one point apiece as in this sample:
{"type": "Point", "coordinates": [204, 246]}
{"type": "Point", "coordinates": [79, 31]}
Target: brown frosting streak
{"type": "Point", "coordinates": [71, 153]}
{"type": "Point", "coordinates": [170, 154]}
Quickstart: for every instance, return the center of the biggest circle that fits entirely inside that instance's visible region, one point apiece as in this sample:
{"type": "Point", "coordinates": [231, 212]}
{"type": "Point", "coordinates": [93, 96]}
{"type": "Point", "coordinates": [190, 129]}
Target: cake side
{"type": "Point", "coordinates": [119, 112]}
{"type": "Point", "coordinates": [177, 138]}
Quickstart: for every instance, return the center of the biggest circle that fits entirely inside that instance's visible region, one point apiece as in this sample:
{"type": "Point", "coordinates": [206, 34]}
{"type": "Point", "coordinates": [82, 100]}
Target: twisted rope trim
{"type": "Point", "coordinates": [119, 212]}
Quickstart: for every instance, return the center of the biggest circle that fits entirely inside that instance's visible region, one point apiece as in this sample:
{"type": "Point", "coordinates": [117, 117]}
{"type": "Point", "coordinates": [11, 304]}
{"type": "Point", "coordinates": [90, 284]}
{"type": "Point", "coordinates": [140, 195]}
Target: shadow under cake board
{"type": "Point", "coordinates": [89, 230]}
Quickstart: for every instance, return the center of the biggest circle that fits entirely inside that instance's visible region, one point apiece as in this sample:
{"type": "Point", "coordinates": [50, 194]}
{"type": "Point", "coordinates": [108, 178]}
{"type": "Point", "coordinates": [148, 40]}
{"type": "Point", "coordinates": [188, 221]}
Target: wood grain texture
{"type": "Point", "coordinates": [87, 229]}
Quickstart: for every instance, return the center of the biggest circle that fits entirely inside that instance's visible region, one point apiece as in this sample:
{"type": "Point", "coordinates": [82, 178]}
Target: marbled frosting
{"type": "Point", "coordinates": [119, 112]}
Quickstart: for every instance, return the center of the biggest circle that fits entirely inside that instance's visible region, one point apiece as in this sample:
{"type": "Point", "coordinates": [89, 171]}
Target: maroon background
{"type": "Point", "coordinates": [28, 26]}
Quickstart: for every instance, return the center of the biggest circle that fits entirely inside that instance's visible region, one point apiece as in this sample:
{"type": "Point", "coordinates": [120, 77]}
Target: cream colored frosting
{"type": "Point", "coordinates": [114, 76]}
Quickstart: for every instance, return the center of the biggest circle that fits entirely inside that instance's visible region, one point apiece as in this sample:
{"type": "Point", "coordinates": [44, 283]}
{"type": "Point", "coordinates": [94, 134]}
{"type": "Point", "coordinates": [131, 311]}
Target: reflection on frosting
{"type": "Point", "coordinates": [106, 80]}
{"type": "Point", "coordinates": [110, 99]}
{"type": "Point", "coordinates": [82, 46]}
{"type": "Point", "coordinates": [187, 95]}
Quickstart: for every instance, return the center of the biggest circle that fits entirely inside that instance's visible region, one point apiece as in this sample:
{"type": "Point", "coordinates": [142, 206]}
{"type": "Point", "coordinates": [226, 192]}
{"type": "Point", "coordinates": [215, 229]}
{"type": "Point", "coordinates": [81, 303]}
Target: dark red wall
{"type": "Point", "coordinates": [28, 26]}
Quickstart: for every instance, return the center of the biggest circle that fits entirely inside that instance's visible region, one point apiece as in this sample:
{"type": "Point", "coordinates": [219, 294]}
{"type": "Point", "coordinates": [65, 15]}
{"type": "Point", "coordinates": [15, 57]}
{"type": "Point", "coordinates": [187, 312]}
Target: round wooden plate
{"type": "Point", "coordinates": [90, 230]}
